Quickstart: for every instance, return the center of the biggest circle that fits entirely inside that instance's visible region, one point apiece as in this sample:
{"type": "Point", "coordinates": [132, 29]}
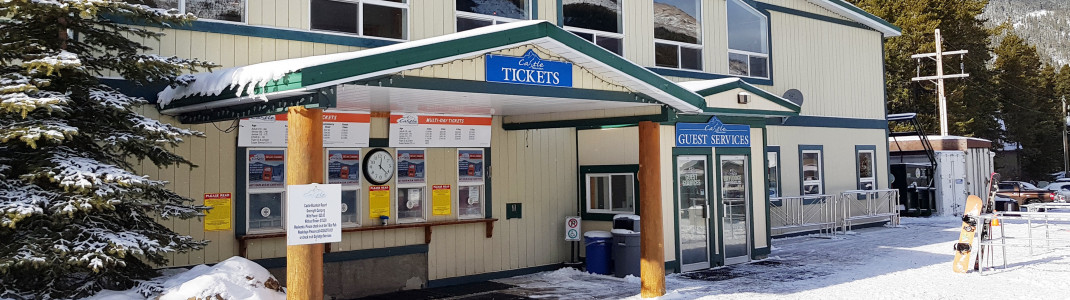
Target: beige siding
{"type": "Point", "coordinates": [759, 204]}
{"type": "Point", "coordinates": [805, 6]}
{"type": "Point", "coordinates": [639, 32]}
{"type": "Point", "coordinates": [714, 38]}
{"type": "Point", "coordinates": [548, 11]}
{"type": "Point", "coordinates": [838, 157]}
{"type": "Point", "coordinates": [431, 19]}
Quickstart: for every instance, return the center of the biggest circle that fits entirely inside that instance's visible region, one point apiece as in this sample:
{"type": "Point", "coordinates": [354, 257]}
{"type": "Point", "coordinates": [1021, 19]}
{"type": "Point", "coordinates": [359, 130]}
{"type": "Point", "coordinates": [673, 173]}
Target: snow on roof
{"type": "Point", "coordinates": [699, 85]}
{"type": "Point", "coordinates": [247, 78]}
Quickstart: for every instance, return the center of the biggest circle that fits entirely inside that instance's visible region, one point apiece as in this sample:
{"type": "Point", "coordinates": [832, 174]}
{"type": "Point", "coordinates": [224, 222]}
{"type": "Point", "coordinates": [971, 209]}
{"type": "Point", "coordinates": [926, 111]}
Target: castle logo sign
{"type": "Point", "coordinates": [529, 69]}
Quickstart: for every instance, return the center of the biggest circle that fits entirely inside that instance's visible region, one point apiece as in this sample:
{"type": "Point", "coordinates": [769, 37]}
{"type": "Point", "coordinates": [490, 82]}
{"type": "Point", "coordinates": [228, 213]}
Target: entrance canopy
{"type": "Point", "coordinates": [460, 73]}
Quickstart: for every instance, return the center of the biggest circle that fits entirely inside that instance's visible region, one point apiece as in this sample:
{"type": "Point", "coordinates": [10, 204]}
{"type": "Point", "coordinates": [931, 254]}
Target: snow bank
{"type": "Point", "coordinates": [234, 278]}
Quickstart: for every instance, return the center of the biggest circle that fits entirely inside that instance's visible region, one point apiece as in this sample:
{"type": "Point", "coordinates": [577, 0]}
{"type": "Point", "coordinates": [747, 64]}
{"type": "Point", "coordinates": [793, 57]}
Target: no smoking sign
{"type": "Point", "coordinates": [572, 228]}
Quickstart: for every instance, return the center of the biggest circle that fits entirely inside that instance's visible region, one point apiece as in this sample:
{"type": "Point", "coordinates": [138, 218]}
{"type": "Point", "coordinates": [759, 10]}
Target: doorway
{"type": "Point", "coordinates": [692, 174]}
{"type": "Point", "coordinates": [735, 206]}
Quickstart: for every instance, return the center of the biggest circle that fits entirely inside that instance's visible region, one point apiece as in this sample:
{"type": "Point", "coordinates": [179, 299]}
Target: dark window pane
{"type": "Point", "coordinates": [746, 28]}
{"type": "Point", "coordinates": [227, 10]}
{"type": "Point", "coordinates": [410, 203]}
{"type": "Point", "coordinates": [665, 55]}
{"type": "Point", "coordinates": [515, 9]}
{"type": "Point", "coordinates": [623, 190]}
{"type": "Point", "coordinates": [469, 201]}
{"type": "Point", "coordinates": [265, 211]}
{"type": "Point", "coordinates": [587, 36]}
{"type": "Point", "coordinates": [382, 21]}
{"type": "Point", "coordinates": [737, 64]}
{"type": "Point", "coordinates": [677, 20]}
{"type": "Point", "coordinates": [614, 45]}
{"type": "Point", "coordinates": [601, 15]}
{"type": "Point", "coordinates": [865, 164]}
{"type": "Point", "coordinates": [466, 24]}
{"type": "Point", "coordinates": [165, 4]}
{"type": "Point", "coordinates": [598, 189]}
{"type": "Point", "coordinates": [334, 16]}
{"type": "Point", "coordinates": [349, 206]}
{"type": "Point", "coordinates": [759, 66]}
{"type": "Point", "coordinates": [690, 58]}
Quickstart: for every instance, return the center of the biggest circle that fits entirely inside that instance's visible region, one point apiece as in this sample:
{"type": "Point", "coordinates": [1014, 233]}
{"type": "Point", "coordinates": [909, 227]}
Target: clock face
{"type": "Point", "coordinates": [379, 166]}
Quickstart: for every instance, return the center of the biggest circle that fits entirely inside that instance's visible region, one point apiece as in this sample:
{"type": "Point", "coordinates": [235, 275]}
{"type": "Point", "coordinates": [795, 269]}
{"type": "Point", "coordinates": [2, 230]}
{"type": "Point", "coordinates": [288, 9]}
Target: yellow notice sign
{"type": "Point", "coordinates": [378, 201]}
{"type": "Point", "coordinates": [218, 218]}
{"type": "Point", "coordinates": [440, 200]}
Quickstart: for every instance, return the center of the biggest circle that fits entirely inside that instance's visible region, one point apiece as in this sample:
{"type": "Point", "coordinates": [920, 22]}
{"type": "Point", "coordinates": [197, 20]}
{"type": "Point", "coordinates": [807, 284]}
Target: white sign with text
{"type": "Point", "coordinates": [446, 131]}
{"type": "Point", "coordinates": [340, 129]}
{"type": "Point", "coordinates": [313, 214]}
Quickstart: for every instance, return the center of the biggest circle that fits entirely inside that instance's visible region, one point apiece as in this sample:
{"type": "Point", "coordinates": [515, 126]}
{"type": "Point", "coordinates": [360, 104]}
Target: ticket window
{"type": "Point", "coordinates": [266, 189]}
{"type": "Point", "coordinates": [411, 199]}
{"type": "Point", "coordinates": [471, 183]}
{"type": "Point", "coordinates": [343, 168]}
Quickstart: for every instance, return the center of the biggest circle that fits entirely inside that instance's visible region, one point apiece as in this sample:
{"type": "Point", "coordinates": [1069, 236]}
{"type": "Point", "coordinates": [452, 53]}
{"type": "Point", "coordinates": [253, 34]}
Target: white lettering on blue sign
{"type": "Point", "coordinates": [712, 134]}
{"type": "Point", "coordinates": [529, 69]}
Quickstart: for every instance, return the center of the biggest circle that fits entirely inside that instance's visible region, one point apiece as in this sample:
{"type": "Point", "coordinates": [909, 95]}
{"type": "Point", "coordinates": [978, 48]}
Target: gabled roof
{"type": "Point", "coordinates": [858, 15]}
{"type": "Point", "coordinates": [707, 88]}
{"type": "Point", "coordinates": [287, 78]}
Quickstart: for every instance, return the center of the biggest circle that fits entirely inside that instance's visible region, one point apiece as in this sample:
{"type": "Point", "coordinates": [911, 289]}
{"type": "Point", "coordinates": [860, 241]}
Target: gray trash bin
{"type": "Point", "coordinates": [626, 242]}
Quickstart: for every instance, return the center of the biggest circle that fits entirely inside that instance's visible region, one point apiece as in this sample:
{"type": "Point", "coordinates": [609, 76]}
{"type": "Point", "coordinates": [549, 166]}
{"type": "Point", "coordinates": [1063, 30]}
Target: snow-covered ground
{"type": "Point", "coordinates": [912, 261]}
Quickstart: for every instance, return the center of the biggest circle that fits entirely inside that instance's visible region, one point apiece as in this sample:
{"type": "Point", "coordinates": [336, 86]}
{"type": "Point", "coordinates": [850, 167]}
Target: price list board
{"type": "Point", "coordinates": [439, 131]}
{"type": "Point", "coordinates": [340, 129]}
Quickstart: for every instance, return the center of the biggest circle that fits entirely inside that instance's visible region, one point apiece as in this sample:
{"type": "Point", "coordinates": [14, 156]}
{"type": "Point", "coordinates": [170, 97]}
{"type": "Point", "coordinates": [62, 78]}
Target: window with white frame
{"type": "Point", "coordinates": [265, 189]}
{"type": "Point", "coordinates": [411, 180]}
{"type": "Point", "coordinates": [343, 168]}
{"type": "Point", "coordinates": [678, 34]}
{"type": "Point", "coordinates": [867, 179]}
{"type": "Point", "coordinates": [222, 10]}
{"type": "Point", "coordinates": [811, 171]}
{"type": "Point", "coordinates": [599, 22]}
{"type": "Point", "coordinates": [375, 18]}
{"type": "Point", "coordinates": [772, 172]}
{"type": "Point", "coordinates": [471, 183]}
{"type": "Point", "coordinates": [748, 41]}
{"type": "Point", "coordinates": [610, 192]}
{"type": "Point", "coordinates": [478, 13]}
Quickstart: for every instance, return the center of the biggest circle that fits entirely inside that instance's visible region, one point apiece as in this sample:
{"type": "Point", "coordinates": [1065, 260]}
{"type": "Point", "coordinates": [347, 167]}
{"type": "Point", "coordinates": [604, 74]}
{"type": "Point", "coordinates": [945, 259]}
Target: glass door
{"type": "Point", "coordinates": [734, 198]}
{"type": "Point", "coordinates": [694, 212]}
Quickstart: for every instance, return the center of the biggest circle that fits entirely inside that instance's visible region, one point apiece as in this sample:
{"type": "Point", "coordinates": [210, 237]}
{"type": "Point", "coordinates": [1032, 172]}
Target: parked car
{"type": "Point", "coordinates": [1061, 190]}
{"type": "Point", "coordinates": [1024, 192]}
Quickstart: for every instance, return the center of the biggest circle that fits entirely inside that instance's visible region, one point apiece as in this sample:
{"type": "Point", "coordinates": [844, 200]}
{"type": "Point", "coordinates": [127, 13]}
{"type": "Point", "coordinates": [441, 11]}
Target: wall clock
{"type": "Point", "coordinates": [378, 166]}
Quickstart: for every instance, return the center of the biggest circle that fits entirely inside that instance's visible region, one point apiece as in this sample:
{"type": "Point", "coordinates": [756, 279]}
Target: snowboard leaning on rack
{"type": "Point", "coordinates": [961, 264]}
{"type": "Point", "coordinates": [988, 207]}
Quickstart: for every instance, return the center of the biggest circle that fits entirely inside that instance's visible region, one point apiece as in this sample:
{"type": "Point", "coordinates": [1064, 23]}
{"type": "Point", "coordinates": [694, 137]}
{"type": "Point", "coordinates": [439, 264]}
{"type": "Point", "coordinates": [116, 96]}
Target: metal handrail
{"type": "Point", "coordinates": [804, 212]}
{"type": "Point", "coordinates": [865, 204]}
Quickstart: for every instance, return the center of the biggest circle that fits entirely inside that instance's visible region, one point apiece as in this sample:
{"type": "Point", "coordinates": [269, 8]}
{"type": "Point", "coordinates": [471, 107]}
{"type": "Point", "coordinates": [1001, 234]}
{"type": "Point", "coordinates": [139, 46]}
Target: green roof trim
{"type": "Point", "coordinates": [739, 84]}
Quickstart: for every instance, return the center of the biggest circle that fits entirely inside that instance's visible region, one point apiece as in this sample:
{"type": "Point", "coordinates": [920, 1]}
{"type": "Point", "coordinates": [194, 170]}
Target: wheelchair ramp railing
{"type": "Point", "coordinates": [868, 206]}
{"type": "Point", "coordinates": [803, 214]}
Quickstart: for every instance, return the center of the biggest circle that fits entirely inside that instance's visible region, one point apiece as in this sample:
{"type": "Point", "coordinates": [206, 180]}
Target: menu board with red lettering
{"type": "Point", "coordinates": [439, 131]}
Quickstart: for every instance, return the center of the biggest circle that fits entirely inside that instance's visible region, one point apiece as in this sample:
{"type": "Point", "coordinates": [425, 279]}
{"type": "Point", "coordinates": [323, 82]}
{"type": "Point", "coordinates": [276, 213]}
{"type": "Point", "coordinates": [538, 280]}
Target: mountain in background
{"type": "Point", "coordinates": [672, 23]}
{"type": "Point", "coordinates": [1043, 23]}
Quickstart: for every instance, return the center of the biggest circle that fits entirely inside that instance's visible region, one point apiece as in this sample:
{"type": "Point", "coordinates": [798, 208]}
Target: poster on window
{"type": "Point", "coordinates": [441, 200]}
{"type": "Point", "coordinates": [441, 131]}
{"type": "Point", "coordinates": [411, 167]}
{"type": "Point", "coordinates": [340, 129]}
{"type": "Point", "coordinates": [267, 169]}
{"type": "Point", "coordinates": [378, 201]}
{"type": "Point", "coordinates": [343, 167]}
{"type": "Point", "coordinates": [470, 165]}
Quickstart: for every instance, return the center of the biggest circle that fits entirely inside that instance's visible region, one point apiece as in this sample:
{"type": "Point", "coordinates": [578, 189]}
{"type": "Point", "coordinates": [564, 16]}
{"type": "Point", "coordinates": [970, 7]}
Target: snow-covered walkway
{"type": "Point", "coordinates": [912, 261]}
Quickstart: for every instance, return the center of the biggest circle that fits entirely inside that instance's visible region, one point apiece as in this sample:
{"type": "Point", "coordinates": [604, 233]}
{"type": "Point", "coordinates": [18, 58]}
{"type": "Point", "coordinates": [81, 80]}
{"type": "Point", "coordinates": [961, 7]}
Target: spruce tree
{"type": "Point", "coordinates": [1028, 108]}
{"type": "Point", "coordinates": [75, 217]}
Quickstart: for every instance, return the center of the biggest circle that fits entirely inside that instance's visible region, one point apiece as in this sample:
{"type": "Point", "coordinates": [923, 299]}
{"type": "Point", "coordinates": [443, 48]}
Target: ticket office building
{"type": "Point", "coordinates": [556, 146]}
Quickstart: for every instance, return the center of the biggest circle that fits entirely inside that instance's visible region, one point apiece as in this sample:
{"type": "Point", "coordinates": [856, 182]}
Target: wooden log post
{"type": "Point", "coordinates": [652, 247]}
{"type": "Point", "coordinates": [304, 165]}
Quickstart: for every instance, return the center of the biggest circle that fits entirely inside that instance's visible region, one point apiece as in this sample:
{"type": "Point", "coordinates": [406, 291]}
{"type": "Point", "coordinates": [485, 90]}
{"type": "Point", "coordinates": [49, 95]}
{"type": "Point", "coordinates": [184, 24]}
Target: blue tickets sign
{"type": "Point", "coordinates": [712, 134]}
{"type": "Point", "coordinates": [529, 69]}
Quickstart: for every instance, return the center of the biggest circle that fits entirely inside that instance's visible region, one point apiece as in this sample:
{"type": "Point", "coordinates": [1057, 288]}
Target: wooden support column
{"type": "Point", "coordinates": [304, 165]}
{"type": "Point", "coordinates": [652, 247]}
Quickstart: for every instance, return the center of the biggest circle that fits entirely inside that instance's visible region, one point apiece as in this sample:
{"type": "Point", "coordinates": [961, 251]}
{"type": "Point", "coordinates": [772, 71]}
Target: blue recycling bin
{"type": "Point", "coordinates": [598, 245]}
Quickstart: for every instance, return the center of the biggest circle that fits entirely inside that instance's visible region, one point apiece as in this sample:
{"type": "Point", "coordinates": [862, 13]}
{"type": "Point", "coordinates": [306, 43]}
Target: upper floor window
{"type": "Point", "coordinates": [223, 10]}
{"type": "Point", "coordinates": [599, 22]}
{"type": "Point", "coordinates": [677, 34]}
{"type": "Point", "coordinates": [378, 18]}
{"type": "Point", "coordinates": [748, 41]}
{"type": "Point", "coordinates": [478, 13]}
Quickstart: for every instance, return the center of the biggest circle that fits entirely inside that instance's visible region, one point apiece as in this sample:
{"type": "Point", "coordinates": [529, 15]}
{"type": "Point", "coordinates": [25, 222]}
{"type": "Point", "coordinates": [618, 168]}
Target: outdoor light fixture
{"type": "Point", "coordinates": [743, 98]}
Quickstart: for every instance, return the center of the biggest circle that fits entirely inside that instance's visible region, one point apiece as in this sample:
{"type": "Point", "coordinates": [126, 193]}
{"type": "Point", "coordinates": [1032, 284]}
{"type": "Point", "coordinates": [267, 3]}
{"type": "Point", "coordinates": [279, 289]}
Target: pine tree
{"type": "Point", "coordinates": [1025, 90]}
{"type": "Point", "coordinates": [74, 215]}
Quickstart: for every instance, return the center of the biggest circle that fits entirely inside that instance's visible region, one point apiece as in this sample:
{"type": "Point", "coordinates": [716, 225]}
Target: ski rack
{"type": "Point", "coordinates": [1045, 242]}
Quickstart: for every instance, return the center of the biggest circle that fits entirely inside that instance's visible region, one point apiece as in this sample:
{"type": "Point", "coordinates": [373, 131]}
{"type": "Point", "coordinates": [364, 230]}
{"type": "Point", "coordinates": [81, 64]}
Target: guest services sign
{"type": "Point", "coordinates": [529, 69]}
{"type": "Point", "coordinates": [712, 134]}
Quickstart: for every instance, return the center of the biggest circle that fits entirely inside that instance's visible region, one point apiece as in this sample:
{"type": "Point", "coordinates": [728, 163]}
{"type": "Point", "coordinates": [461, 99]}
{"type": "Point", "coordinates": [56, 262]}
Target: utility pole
{"type": "Point", "coordinates": [940, 76]}
{"type": "Point", "coordinates": [1066, 162]}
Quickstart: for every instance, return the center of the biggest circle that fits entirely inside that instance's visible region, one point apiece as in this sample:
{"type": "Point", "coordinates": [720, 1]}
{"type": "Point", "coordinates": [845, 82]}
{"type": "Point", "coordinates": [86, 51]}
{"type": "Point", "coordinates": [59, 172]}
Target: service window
{"type": "Point", "coordinates": [610, 193]}
{"type": "Point", "coordinates": [471, 181]}
{"type": "Point", "coordinates": [473, 14]}
{"type": "Point", "coordinates": [266, 189]}
{"type": "Point", "coordinates": [866, 178]}
{"type": "Point", "coordinates": [343, 167]}
{"type": "Point", "coordinates": [811, 169]}
{"type": "Point", "coordinates": [411, 201]}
